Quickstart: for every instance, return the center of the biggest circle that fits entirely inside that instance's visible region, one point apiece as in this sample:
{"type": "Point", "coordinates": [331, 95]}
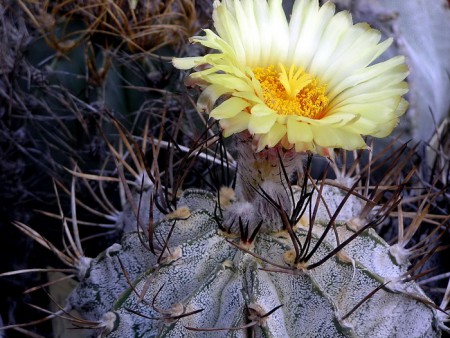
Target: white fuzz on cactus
{"type": "Point", "coordinates": [259, 174]}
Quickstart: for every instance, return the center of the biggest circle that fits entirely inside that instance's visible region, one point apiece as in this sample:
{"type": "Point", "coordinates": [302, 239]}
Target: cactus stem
{"type": "Point", "coordinates": [263, 188]}
{"type": "Point", "coordinates": [255, 316]}
{"type": "Point", "coordinates": [307, 255]}
{"type": "Point", "coordinates": [345, 243]}
{"type": "Point", "coordinates": [165, 244]}
{"type": "Point", "coordinates": [362, 301]}
{"type": "Point", "coordinates": [281, 268]}
{"type": "Point", "coordinates": [256, 312]}
{"type": "Point", "coordinates": [275, 165]}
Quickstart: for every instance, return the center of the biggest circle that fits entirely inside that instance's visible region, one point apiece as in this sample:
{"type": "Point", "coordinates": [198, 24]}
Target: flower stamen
{"type": "Point", "coordinates": [294, 93]}
{"type": "Point", "coordinates": [294, 82]}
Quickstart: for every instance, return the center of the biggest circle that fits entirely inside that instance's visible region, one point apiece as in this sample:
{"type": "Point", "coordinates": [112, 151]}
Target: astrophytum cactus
{"type": "Point", "coordinates": [203, 281]}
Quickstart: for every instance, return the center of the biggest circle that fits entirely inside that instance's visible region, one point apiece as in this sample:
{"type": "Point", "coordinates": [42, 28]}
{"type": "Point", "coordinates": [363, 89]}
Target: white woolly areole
{"type": "Point", "coordinates": [107, 321]}
{"type": "Point", "coordinates": [83, 264]}
{"type": "Point", "coordinates": [143, 182]}
{"type": "Point", "coordinates": [113, 249]}
{"type": "Point", "coordinates": [400, 254]}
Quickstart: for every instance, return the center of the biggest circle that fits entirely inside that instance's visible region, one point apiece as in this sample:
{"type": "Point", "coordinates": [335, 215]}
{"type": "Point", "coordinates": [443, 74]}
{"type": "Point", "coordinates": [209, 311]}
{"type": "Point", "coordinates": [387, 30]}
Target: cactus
{"type": "Point", "coordinates": [266, 259]}
{"type": "Point", "coordinates": [209, 280]}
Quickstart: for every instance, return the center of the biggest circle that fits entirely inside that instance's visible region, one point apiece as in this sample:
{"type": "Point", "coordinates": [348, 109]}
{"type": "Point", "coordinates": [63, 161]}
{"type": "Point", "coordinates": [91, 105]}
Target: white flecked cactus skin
{"type": "Point", "coordinates": [209, 283]}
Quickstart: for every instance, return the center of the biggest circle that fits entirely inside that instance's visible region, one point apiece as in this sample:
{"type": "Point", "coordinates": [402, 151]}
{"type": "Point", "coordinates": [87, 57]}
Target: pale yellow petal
{"type": "Point", "coordinates": [249, 96]}
{"type": "Point", "coordinates": [229, 108]}
{"type": "Point", "coordinates": [333, 35]}
{"type": "Point", "coordinates": [257, 87]}
{"type": "Point", "coordinates": [368, 93]}
{"type": "Point", "coordinates": [337, 119]}
{"type": "Point", "coordinates": [212, 40]}
{"type": "Point", "coordinates": [261, 124]}
{"type": "Point", "coordinates": [248, 28]}
{"type": "Point", "coordinates": [296, 23]}
{"type": "Point", "coordinates": [187, 62]}
{"type": "Point", "coordinates": [359, 48]}
{"type": "Point", "coordinates": [279, 33]}
{"type": "Point", "coordinates": [371, 80]}
{"type": "Point", "coordinates": [235, 124]}
{"type": "Point", "coordinates": [272, 137]}
{"type": "Point", "coordinates": [401, 108]}
{"type": "Point", "coordinates": [262, 110]}
{"type": "Point", "coordinates": [329, 137]}
{"type": "Point", "coordinates": [385, 129]}
{"type": "Point", "coordinates": [376, 112]}
{"type": "Point", "coordinates": [298, 132]}
{"type": "Point", "coordinates": [228, 81]}
{"type": "Point", "coordinates": [305, 146]}
{"type": "Point", "coordinates": [310, 36]}
{"type": "Point", "coordinates": [364, 126]}
{"type": "Point", "coordinates": [395, 68]}
{"type": "Point", "coordinates": [262, 17]}
{"type": "Point", "coordinates": [222, 69]}
{"type": "Point", "coordinates": [209, 96]}
{"type": "Point", "coordinates": [227, 27]}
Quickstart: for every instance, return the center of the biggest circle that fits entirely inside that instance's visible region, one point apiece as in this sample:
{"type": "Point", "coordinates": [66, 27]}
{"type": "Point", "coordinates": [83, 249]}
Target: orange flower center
{"type": "Point", "coordinates": [293, 93]}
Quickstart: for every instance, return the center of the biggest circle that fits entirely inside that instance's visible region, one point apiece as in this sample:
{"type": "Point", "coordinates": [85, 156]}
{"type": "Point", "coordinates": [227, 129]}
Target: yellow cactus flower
{"type": "Point", "coordinates": [308, 83]}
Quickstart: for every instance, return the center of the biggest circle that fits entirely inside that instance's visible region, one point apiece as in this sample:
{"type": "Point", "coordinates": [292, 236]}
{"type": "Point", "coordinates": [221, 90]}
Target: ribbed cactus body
{"type": "Point", "coordinates": [204, 282]}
